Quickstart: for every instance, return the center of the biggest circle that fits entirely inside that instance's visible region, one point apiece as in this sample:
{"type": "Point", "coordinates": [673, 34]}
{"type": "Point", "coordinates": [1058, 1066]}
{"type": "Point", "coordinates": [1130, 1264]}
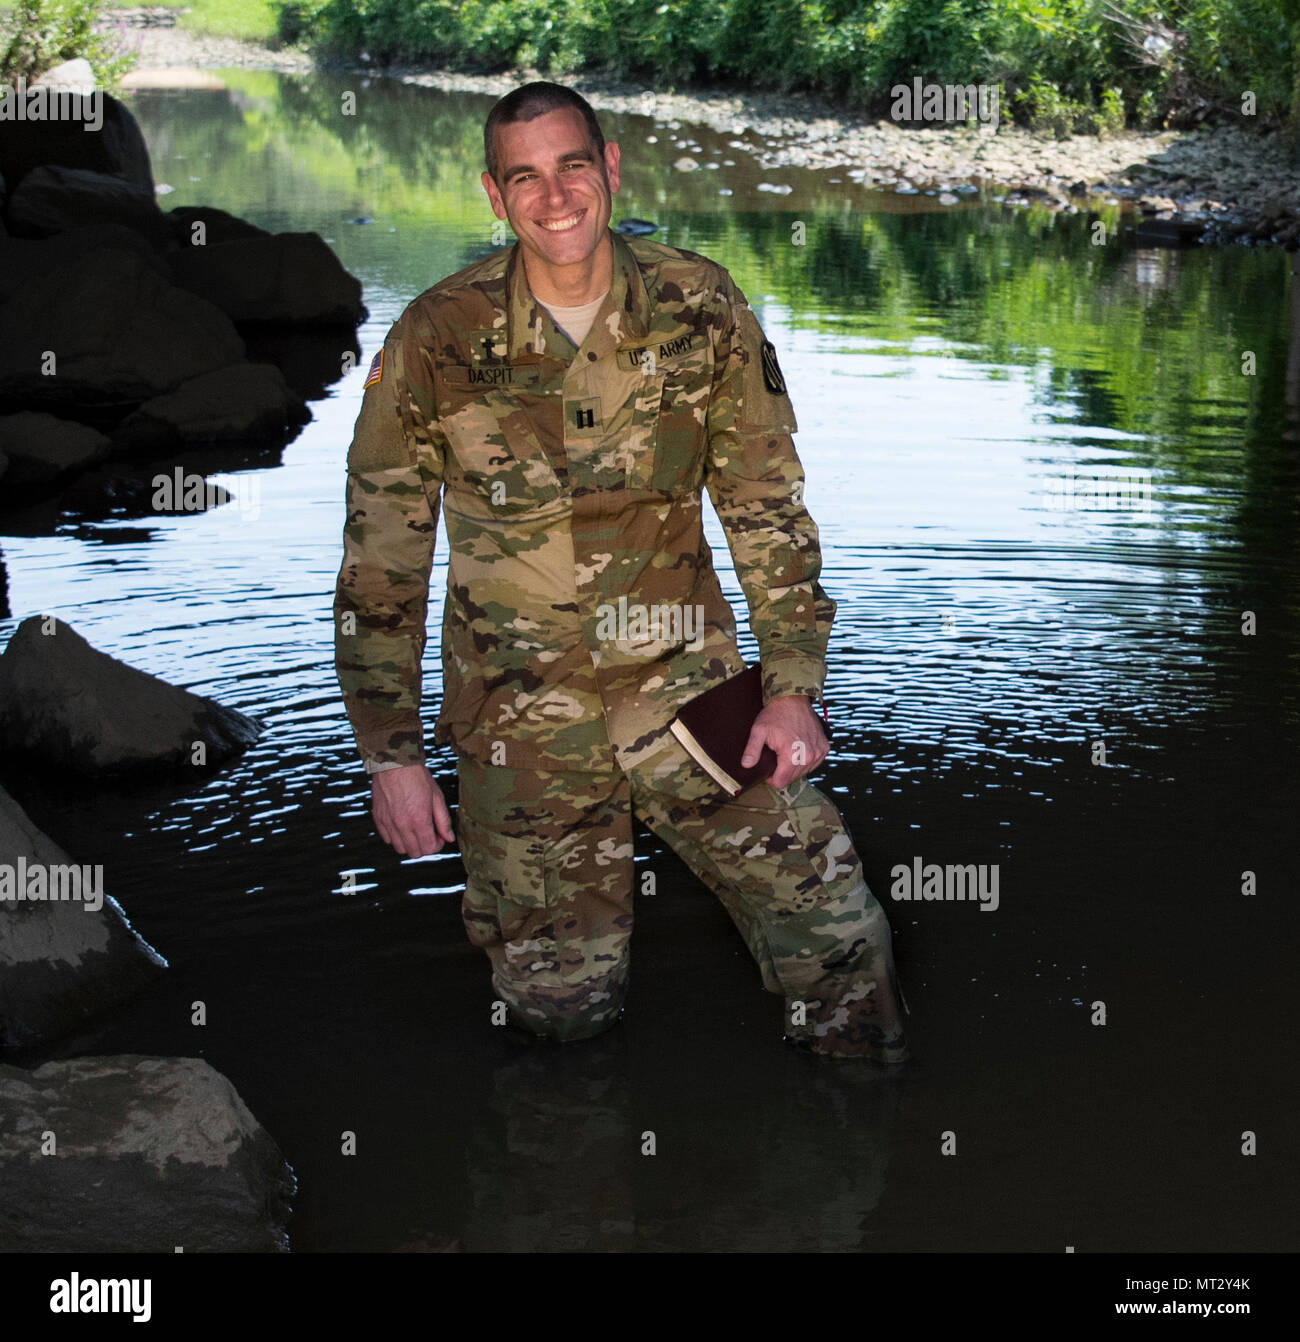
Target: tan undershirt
{"type": "Point", "coordinates": [575, 322]}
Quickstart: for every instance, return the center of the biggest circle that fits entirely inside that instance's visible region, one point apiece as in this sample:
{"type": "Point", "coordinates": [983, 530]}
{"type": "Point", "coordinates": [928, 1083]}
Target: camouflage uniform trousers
{"type": "Point", "coordinates": [548, 860]}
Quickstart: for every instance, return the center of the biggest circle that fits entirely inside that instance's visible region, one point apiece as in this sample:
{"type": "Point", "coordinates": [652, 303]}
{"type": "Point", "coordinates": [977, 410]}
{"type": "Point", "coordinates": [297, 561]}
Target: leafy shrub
{"type": "Point", "coordinates": [1109, 117]}
{"type": "Point", "coordinates": [37, 35]}
{"type": "Point", "coordinates": [1077, 64]}
{"type": "Point", "coordinates": [1047, 111]}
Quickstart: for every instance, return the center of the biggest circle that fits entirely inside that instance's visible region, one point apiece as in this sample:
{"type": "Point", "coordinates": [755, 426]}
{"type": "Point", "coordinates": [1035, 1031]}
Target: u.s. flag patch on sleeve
{"type": "Point", "coordinates": [376, 370]}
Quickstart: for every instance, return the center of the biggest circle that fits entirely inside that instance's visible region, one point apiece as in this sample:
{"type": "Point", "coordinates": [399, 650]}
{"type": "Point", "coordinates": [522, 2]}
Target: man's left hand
{"type": "Point", "coordinates": [792, 729]}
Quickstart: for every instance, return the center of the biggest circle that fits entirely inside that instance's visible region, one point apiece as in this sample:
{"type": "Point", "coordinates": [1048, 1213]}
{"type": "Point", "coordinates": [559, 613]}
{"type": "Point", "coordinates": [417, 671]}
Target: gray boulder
{"type": "Point", "coordinates": [284, 278]}
{"type": "Point", "coordinates": [149, 1155]}
{"type": "Point", "coordinates": [43, 450]}
{"type": "Point", "coordinates": [63, 961]}
{"type": "Point", "coordinates": [52, 198]}
{"type": "Point", "coordinates": [78, 708]}
{"type": "Point", "coordinates": [112, 330]}
{"type": "Point", "coordinates": [248, 402]}
{"type": "Point", "coordinates": [76, 76]}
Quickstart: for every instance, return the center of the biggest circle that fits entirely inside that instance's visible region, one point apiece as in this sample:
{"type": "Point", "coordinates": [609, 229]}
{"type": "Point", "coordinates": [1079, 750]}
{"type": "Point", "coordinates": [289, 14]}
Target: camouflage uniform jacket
{"type": "Point", "coordinates": [571, 478]}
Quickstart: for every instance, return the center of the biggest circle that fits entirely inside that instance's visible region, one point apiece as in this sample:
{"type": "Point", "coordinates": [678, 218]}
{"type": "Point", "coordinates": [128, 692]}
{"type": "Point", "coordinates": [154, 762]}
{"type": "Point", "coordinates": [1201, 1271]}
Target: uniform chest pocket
{"type": "Point", "coordinates": [500, 422]}
{"type": "Point", "coordinates": [674, 407]}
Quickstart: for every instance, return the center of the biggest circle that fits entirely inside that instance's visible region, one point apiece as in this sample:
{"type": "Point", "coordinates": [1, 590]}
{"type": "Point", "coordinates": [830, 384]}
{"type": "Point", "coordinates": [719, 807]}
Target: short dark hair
{"type": "Point", "coordinates": [534, 100]}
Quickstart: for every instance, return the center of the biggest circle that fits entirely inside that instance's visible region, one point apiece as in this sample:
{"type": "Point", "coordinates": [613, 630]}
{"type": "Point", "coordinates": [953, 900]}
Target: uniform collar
{"type": "Point", "coordinates": [624, 316]}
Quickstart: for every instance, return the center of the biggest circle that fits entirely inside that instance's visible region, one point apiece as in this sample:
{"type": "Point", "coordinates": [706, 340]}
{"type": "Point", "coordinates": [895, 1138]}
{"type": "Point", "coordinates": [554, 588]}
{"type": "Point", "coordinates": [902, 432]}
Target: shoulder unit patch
{"type": "Point", "coordinates": [772, 378]}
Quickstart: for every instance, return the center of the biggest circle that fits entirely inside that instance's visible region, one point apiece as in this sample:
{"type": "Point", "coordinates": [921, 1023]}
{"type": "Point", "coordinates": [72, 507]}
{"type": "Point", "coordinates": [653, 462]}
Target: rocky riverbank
{"type": "Point", "coordinates": [1219, 183]}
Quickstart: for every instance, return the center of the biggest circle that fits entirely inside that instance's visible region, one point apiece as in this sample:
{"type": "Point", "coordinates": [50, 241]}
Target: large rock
{"type": "Point", "coordinates": [249, 402]}
{"type": "Point", "coordinates": [77, 708]}
{"type": "Point", "coordinates": [117, 147]}
{"type": "Point", "coordinates": [113, 331]}
{"type": "Point", "coordinates": [63, 961]}
{"type": "Point", "coordinates": [22, 260]}
{"type": "Point", "coordinates": [52, 198]}
{"type": "Point", "coordinates": [43, 450]}
{"type": "Point", "coordinates": [149, 1155]}
{"type": "Point", "coordinates": [76, 76]}
{"type": "Point", "coordinates": [287, 278]}
{"type": "Point", "coordinates": [310, 357]}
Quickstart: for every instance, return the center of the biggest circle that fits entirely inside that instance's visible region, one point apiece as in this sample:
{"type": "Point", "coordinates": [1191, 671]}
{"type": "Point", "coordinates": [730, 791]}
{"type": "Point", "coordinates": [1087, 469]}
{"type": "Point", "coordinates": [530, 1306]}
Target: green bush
{"type": "Point", "coordinates": [1073, 66]}
{"type": "Point", "coordinates": [1047, 111]}
{"type": "Point", "coordinates": [1248, 44]}
{"type": "Point", "coordinates": [37, 35]}
{"type": "Point", "coordinates": [1109, 117]}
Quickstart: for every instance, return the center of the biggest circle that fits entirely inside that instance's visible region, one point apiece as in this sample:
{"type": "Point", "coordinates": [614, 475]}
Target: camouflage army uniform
{"type": "Point", "coordinates": [571, 478]}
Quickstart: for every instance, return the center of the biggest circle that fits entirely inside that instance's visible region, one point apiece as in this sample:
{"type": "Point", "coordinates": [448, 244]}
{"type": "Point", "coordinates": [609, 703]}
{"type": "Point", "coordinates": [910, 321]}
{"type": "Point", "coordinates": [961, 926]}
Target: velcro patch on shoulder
{"type": "Point", "coordinates": [765, 399]}
{"type": "Point", "coordinates": [379, 439]}
{"type": "Point", "coordinates": [376, 370]}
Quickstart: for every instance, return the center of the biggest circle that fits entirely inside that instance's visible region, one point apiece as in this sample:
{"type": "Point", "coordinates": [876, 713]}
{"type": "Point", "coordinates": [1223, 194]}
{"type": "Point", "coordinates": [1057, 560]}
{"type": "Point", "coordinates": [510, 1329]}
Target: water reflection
{"type": "Point", "coordinates": [570, 1157]}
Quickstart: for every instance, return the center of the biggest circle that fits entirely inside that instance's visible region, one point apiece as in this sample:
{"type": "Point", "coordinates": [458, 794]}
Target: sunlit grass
{"type": "Point", "coordinates": [253, 20]}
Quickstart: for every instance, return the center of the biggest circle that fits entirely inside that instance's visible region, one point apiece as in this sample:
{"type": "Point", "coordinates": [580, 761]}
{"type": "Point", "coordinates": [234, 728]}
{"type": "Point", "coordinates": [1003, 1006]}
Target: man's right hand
{"type": "Point", "coordinates": [410, 811]}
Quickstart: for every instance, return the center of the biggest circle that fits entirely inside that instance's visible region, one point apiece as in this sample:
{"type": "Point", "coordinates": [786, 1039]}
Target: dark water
{"type": "Point", "coordinates": [953, 370]}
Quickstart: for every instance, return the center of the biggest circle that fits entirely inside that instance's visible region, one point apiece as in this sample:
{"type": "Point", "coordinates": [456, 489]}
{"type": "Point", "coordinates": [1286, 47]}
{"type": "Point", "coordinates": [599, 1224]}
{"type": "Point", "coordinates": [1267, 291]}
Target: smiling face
{"type": "Point", "coordinates": [556, 192]}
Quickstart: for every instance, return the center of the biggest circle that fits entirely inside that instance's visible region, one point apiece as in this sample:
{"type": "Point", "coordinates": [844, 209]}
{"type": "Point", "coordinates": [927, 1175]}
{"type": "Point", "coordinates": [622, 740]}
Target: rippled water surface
{"type": "Point", "coordinates": [959, 375]}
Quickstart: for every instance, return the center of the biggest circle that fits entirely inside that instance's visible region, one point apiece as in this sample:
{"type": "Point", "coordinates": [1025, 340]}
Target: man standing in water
{"type": "Point", "coordinates": [566, 401]}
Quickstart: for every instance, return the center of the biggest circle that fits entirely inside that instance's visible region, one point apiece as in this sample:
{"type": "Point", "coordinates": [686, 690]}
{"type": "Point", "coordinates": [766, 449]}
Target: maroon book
{"type": "Point", "coordinates": [714, 727]}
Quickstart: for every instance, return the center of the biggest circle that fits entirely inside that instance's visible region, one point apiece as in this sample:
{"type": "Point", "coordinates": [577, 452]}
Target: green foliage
{"type": "Point", "coordinates": [1248, 44]}
{"type": "Point", "coordinates": [1047, 111]}
{"type": "Point", "coordinates": [1079, 65]}
{"type": "Point", "coordinates": [792, 43]}
{"type": "Point", "coordinates": [37, 35]}
{"type": "Point", "coordinates": [944, 43]}
{"type": "Point", "coordinates": [1109, 119]}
